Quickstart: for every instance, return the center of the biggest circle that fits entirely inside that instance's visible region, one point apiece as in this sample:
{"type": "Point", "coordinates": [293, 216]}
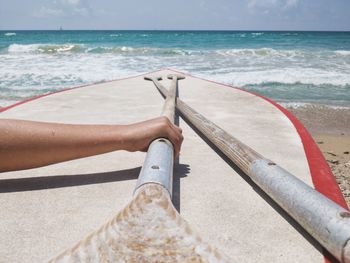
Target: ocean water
{"type": "Point", "coordinates": [292, 68]}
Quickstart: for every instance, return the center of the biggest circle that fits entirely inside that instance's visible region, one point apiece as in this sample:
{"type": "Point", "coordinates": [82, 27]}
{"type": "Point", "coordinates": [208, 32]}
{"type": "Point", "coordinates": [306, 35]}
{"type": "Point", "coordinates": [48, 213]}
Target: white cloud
{"type": "Point", "coordinates": [261, 3]}
{"type": "Point", "coordinates": [71, 2]}
{"type": "Point", "coordinates": [291, 3]}
{"type": "Point", "coordinates": [46, 11]}
{"type": "Point", "coordinates": [270, 4]}
{"type": "Point", "coordinates": [64, 8]}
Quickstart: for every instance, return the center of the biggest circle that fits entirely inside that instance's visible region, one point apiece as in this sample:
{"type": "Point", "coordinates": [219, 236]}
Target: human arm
{"type": "Point", "coordinates": [29, 144]}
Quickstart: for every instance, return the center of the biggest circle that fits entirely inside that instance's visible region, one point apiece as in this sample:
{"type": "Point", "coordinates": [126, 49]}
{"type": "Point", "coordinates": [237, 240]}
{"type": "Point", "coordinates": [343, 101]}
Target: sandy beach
{"type": "Point", "coordinates": [330, 128]}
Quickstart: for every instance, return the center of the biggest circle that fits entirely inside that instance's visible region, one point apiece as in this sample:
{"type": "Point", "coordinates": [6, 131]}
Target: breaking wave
{"type": "Point", "coordinates": [302, 74]}
{"type": "Point", "coordinates": [76, 48]}
{"type": "Point", "coordinates": [46, 49]}
{"type": "Point", "coordinates": [260, 52]}
{"type": "Point", "coordinates": [343, 52]}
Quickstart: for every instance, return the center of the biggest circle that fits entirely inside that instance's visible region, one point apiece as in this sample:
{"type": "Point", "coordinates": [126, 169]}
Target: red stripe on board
{"type": "Point", "coordinates": [67, 89]}
{"type": "Point", "coordinates": [44, 95]}
{"type": "Point", "coordinates": [35, 98]}
{"type": "Point", "coordinates": [322, 176]}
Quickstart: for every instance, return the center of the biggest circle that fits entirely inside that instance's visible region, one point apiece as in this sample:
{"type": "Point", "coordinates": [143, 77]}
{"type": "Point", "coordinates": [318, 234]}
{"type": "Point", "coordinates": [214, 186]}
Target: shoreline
{"type": "Point", "coordinates": [330, 128]}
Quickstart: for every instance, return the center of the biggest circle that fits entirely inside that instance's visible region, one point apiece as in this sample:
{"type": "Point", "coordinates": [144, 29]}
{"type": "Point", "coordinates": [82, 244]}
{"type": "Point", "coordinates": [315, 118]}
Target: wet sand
{"type": "Point", "coordinates": [330, 128]}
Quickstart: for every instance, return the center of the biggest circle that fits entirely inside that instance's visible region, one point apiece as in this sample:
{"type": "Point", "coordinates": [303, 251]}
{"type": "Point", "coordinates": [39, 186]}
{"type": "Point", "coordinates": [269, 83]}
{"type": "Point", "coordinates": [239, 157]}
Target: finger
{"type": "Point", "coordinates": [178, 145]}
{"type": "Point", "coordinates": [181, 141]}
{"type": "Point", "coordinates": [178, 129]}
{"type": "Point", "coordinates": [175, 128]}
{"type": "Point", "coordinates": [176, 153]}
{"type": "Point", "coordinates": [174, 138]}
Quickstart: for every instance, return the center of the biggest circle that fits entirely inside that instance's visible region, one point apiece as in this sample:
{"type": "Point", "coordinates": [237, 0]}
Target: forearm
{"type": "Point", "coordinates": [27, 144]}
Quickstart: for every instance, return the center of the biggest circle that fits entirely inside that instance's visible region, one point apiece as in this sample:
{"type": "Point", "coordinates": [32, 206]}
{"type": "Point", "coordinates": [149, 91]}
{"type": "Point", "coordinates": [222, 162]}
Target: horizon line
{"type": "Point", "coordinates": [184, 30]}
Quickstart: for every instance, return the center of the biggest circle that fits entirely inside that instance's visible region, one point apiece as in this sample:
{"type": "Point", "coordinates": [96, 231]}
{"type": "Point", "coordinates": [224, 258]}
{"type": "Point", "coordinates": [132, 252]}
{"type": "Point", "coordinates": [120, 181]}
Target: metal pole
{"type": "Point", "coordinates": [322, 218]}
{"type": "Point", "coordinates": [158, 165]}
{"type": "Point", "coordinates": [148, 229]}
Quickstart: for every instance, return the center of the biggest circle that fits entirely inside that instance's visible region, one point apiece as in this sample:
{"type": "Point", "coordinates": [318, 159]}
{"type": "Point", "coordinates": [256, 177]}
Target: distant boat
{"type": "Point", "coordinates": [61, 29]}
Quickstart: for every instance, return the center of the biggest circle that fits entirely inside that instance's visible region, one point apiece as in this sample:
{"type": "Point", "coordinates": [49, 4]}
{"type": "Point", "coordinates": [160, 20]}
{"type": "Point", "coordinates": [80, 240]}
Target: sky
{"type": "Point", "coordinates": [319, 15]}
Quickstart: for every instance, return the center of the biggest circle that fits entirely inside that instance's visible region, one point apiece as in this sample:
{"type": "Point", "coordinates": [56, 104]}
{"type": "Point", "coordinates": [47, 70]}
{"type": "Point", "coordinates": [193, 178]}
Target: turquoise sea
{"type": "Point", "coordinates": [290, 67]}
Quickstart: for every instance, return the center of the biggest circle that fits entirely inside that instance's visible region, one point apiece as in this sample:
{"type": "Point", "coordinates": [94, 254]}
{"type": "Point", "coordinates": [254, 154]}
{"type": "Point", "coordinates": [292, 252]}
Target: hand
{"type": "Point", "coordinates": [138, 136]}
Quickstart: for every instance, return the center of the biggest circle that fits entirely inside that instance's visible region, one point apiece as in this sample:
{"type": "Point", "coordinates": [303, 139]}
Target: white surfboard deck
{"type": "Point", "coordinates": [47, 210]}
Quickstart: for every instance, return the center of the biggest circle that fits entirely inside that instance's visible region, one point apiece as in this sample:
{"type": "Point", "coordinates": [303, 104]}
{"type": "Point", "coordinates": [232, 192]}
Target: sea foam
{"type": "Point", "coordinates": [343, 52]}
{"type": "Point", "coordinates": [289, 67]}
{"type": "Point", "coordinates": [42, 48]}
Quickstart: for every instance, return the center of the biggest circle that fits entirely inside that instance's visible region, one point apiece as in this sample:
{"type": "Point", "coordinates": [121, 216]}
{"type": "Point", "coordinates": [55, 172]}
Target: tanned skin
{"type": "Point", "coordinates": [29, 144]}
